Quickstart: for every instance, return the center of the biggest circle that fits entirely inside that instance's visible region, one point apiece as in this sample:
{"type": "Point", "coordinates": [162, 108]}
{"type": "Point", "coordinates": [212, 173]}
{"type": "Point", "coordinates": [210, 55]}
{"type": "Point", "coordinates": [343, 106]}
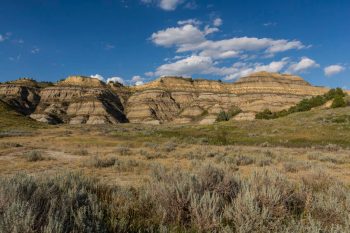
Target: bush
{"type": "Point", "coordinates": [226, 116]}
{"type": "Point", "coordinates": [209, 200]}
{"type": "Point", "coordinates": [338, 102]}
{"type": "Point", "coordinates": [123, 150]}
{"type": "Point", "coordinates": [242, 160]}
{"type": "Point", "coordinates": [33, 156]}
{"type": "Point", "coordinates": [307, 104]}
{"type": "Point", "coordinates": [266, 114]}
{"type": "Point", "coordinates": [100, 162]}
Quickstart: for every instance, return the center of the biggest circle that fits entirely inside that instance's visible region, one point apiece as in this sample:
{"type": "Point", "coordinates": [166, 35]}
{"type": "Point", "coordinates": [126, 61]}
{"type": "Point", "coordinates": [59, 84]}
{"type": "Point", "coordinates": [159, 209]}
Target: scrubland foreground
{"type": "Point", "coordinates": [290, 174]}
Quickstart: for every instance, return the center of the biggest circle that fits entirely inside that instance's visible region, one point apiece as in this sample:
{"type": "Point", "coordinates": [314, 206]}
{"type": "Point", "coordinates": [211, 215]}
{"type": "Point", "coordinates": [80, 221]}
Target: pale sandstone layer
{"type": "Point", "coordinates": [176, 100]}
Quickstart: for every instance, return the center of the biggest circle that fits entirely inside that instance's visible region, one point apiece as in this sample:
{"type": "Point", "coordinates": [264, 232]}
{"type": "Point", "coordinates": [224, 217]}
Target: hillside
{"type": "Point", "coordinates": [12, 120]}
{"type": "Point", "coordinates": [175, 100]}
{"type": "Point", "coordinates": [318, 127]}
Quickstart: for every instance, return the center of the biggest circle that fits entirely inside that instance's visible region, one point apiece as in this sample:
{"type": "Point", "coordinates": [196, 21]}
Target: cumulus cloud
{"type": "Point", "coordinates": [137, 80]}
{"type": "Point", "coordinates": [205, 65]}
{"type": "Point", "coordinates": [149, 74]}
{"type": "Point", "coordinates": [111, 79]}
{"type": "Point", "coordinates": [190, 38]}
{"type": "Point", "coordinates": [116, 80]}
{"type": "Point", "coordinates": [178, 36]}
{"type": "Point", "coordinates": [217, 22]}
{"type": "Point", "coordinates": [304, 64]}
{"type": "Point", "coordinates": [185, 67]}
{"type": "Point", "coordinates": [98, 76]}
{"type": "Point", "coordinates": [333, 70]}
{"type": "Point", "coordinates": [196, 54]}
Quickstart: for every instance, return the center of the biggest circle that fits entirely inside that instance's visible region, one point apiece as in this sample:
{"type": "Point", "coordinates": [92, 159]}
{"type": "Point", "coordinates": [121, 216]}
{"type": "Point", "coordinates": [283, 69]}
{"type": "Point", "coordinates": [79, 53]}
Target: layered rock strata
{"type": "Point", "coordinates": [83, 100]}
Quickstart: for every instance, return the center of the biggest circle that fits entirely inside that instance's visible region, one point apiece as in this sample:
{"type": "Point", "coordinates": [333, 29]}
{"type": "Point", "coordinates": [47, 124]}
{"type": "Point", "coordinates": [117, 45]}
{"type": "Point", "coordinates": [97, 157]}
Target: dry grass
{"type": "Point", "coordinates": [237, 192]}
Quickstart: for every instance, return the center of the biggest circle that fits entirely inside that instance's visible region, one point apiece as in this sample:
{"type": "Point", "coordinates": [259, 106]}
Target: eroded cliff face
{"type": "Point", "coordinates": [201, 100]}
{"type": "Point", "coordinates": [79, 100]}
{"type": "Point", "coordinates": [22, 95]}
{"type": "Point", "coordinates": [83, 100]}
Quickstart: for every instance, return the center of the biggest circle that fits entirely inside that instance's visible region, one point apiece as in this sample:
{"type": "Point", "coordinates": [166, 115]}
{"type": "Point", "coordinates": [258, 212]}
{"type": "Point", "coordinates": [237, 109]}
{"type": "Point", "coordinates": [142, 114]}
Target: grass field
{"type": "Point", "coordinates": [290, 174]}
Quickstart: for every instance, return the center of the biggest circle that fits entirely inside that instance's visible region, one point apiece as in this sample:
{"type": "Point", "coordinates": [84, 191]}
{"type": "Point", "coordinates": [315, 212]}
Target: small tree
{"type": "Point", "coordinates": [338, 102]}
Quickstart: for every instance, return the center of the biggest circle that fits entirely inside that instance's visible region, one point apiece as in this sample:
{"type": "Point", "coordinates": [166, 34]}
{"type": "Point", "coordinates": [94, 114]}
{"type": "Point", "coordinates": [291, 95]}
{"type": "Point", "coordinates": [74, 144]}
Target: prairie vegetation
{"type": "Point", "coordinates": [283, 175]}
{"type": "Point", "coordinates": [209, 199]}
{"type": "Point", "coordinates": [336, 95]}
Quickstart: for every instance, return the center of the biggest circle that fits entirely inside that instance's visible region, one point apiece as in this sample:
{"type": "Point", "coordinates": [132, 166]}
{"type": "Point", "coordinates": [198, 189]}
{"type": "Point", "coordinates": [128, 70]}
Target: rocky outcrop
{"type": "Point", "coordinates": [275, 91]}
{"type": "Point", "coordinates": [176, 100]}
{"type": "Point", "coordinates": [79, 100]}
{"type": "Point", "coordinates": [201, 100]}
{"type": "Point", "coordinates": [22, 95]}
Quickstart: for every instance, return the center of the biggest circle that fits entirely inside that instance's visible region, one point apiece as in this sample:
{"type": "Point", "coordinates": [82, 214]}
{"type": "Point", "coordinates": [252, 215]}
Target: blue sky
{"type": "Point", "coordinates": [136, 41]}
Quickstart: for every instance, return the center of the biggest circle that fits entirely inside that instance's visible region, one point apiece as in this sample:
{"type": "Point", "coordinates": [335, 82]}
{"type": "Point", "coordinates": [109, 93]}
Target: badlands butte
{"type": "Point", "coordinates": [176, 100]}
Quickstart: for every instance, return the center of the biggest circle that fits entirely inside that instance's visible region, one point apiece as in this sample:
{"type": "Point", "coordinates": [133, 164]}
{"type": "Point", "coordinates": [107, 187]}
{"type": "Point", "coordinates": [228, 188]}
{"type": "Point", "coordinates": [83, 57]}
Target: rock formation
{"type": "Point", "coordinates": [21, 94]}
{"type": "Point", "coordinates": [83, 100]}
{"type": "Point", "coordinates": [79, 100]}
{"type": "Point", "coordinates": [201, 100]}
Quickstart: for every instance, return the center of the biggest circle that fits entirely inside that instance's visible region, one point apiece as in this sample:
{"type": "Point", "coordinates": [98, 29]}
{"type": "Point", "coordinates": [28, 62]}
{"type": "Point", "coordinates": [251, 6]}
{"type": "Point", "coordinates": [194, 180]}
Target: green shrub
{"type": "Point", "coordinates": [307, 104]}
{"type": "Point", "coordinates": [266, 114]}
{"type": "Point", "coordinates": [226, 116]}
{"type": "Point", "coordinates": [338, 102]}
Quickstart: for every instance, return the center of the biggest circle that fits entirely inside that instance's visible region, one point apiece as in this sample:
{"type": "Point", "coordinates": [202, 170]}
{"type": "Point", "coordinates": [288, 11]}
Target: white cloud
{"type": "Point", "coordinates": [185, 67]}
{"type": "Point", "coordinates": [333, 69]}
{"type": "Point", "coordinates": [217, 22]}
{"type": "Point", "coordinates": [284, 45]}
{"type": "Point", "coordinates": [208, 30]}
{"type": "Point", "coordinates": [206, 55]}
{"type": "Point", "coordinates": [111, 79]}
{"type": "Point", "coordinates": [240, 69]}
{"type": "Point", "coordinates": [304, 64]}
{"type": "Point", "coordinates": [97, 76]}
{"type": "Point", "coordinates": [2, 38]}
{"type": "Point", "coordinates": [190, 38]}
{"type": "Point", "coordinates": [167, 5]}
{"type": "Point", "coordinates": [137, 80]}
{"type": "Point", "coordinates": [178, 36]}
{"type": "Point", "coordinates": [205, 65]}
{"type": "Point", "coordinates": [116, 80]}
{"type": "Point", "coordinates": [149, 74]}
{"type": "Point", "coordinates": [195, 22]}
